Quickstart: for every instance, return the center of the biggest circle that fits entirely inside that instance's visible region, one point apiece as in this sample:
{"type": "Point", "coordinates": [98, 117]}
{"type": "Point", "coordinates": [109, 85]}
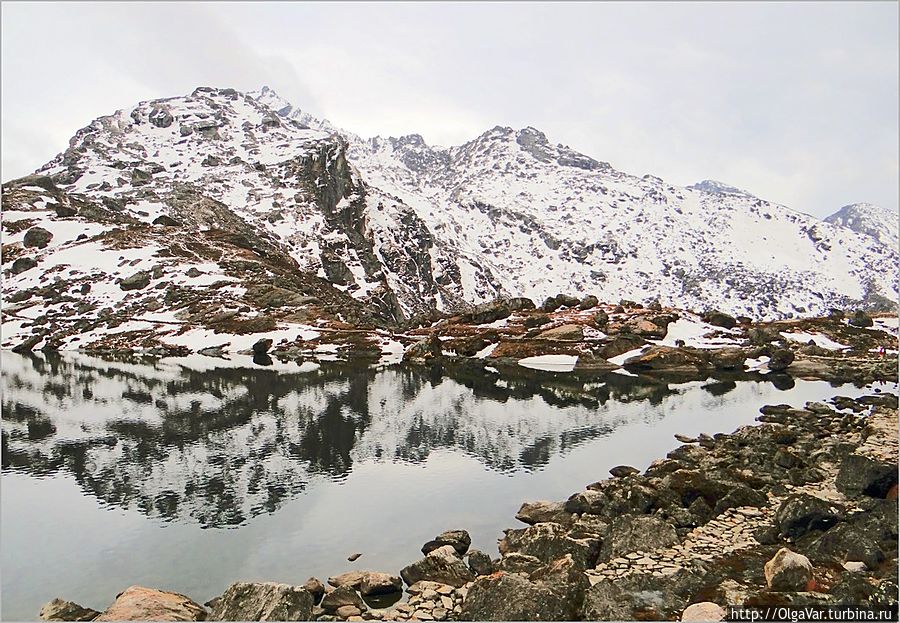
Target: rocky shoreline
{"type": "Point", "coordinates": [800, 509]}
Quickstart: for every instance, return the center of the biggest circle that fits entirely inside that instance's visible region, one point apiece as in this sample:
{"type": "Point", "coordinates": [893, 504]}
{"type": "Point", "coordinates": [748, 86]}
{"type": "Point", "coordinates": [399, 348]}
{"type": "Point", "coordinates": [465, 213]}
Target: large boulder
{"type": "Point", "coordinates": [22, 264]}
{"type": "Point", "coordinates": [803, 513]}
{"type": "Point", "coordinates": [564, 333]}
{"type": "Point", "coordinates": [37, 237]}
{"type": "Point", "coordinates": [548, 542]}
{"type": "Point", "coordinates": [728, 359]}
{"type": "Point", "coordinates": [542, 511]}
{"type": "Point", "coordinates": [480, 563]}
{"type": "Point", "coordinates": [863, 475]}
{"type": "Point", "coordinates": [588, 302]}
{"type": "Point", "coordinates": [666, 358]}
{"type": "Point", "coordinates": [510, 597]}
{"type": "Point", "coordinates": [340, 597]}
{"type": "Point", "coordinates": [263, 601]}
{"type": "Point", "coordinates": [440, 565]}
{"type": "Point", "coordinates": [788, 571]}
{"type": "Point", "coordinates": [640, 596]}
{"type": "Point", "coordinates": [368, 582]}
{"type": "Point", "coordinates": [137, 281]}
{"type": "Point", "coordinates": [720, 319]}
{"type": "Point", "coordinates": [644, 328]}
{"type": "Point", "coordinates": [459, 539]}
{"type": "Point", "coordinates": [847, 543]}
{"type": "Point", "coordinates": [781, 359]}
{"type": "Point", "coordinates": [861, 319]}
{"type": "Point", "coordinates": [629, 534]}
{"type": "Point", "coordinates": [487, 312]}
{"type": "Point", "coordinates": [137, 603]}
{"type": "Point", "coordinates": [62, 610]}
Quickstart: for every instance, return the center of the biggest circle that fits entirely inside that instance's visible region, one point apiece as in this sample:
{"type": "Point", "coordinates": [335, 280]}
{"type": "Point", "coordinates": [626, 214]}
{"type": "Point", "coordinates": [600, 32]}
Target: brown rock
{"type": "Point", "coordinates": [62, 610]}
{"type": "Point", "coordinates": [137, 603]}
{"type": "Point", "coordinates": [788, 571]}
{"type": "Point", "coordinates": [703, 611]}
{"type": "Point", "coordinates": [566, 333]}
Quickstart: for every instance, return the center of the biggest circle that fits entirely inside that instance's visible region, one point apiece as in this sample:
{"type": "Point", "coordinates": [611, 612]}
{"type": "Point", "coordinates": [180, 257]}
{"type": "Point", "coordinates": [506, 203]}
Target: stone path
{"type": "Point", "coordinates": [733, 530]}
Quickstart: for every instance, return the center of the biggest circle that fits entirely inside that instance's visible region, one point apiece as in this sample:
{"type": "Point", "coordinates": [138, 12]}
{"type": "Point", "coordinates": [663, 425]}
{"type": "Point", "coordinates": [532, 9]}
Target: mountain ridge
{"type": "Point", "coordinates": [387, 229]}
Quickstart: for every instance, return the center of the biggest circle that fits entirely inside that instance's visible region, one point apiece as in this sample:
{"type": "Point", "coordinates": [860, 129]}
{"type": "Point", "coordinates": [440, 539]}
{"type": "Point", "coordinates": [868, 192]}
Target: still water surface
{"type": "Point", "coordinates": [189, 474]}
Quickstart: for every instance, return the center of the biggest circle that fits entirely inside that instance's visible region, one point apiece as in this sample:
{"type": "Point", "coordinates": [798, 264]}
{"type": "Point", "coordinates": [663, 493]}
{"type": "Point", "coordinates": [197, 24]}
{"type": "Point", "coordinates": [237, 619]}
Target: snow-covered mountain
{"type": "Point", "coordinates": [870, 220]}
{"type": "Point", "coordinates": [210, 202]}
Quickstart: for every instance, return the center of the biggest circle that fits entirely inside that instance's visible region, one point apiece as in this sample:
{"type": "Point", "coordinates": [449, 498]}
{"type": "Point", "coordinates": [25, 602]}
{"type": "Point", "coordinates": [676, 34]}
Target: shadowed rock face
{"type": "Point", "coordinates": [241, 441]}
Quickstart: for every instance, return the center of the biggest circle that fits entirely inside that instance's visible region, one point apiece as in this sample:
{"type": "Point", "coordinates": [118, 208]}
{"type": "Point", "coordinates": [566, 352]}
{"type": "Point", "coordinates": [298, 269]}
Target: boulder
{"type": "Point", "coordinates": [644, 328]}
{"type": "Point", "coordinates": [550, 305]}
{"type": "Point", "coordinates": [728, 359]}
{"type": "Point", "coordinates": [351, 579]}
{"type": "Point", "coordinates": [639, 596]}
{"type": "Point", "coordinates": [788, 571]}
{"type": "Point", "coordinates": [515, 562]}
{"type": "Point", "coordinates": [567, 300]}
{"type": "Point", "coordinates": [480, 563]}
{"type": "Point", "coordinates": [459, 539]}
{"type": "Point", "coordinates": [536, 320]}
{"type": "Point", "coordinates": [601, 319]}
{"type": "Point", "coordinates": [62, 610]}
{"type": "Point", "coordinates": [440, 565]}
{"type": "Point", "coordinates": [510, 597]}
{"type": "Point", "coordinates": [520, 303]}
{"type": "Point", "coordinates": [548, 542]}
{"type": "Point", "coordinates": [262, 346]}
{"type": "Point", "coordinates": [137, 603]}
{"type": "Point", "coordinates": [139, 177]}
{"type": "Point", "coordinates": [341, 596]}
{"type": "Point", "coordinates": [863, 475]}
{"type": "Point", "coordinates": [166, 221]}
{"type": "Point", "coordinates": [315, 588]}
{"type": "Point", "coordinates": [424, 350]}
{"type": "Point", "coordinates": [378, 583]}
{"type": "Point", "coordinates": [666, 357]}
{"type": "Point", "coordinates": [37, 237]}
{"type": "Point", "coordinates": [64, 211]}
{"type": "Point", "coordinates": [720, 319]}
{"type": "Point", "coordinates": [760, 336]}
{"type": "Point", "coordinates": [487, 312]}
{"type": "Point", "coordinates": [160, 117]}
{"type": "Point", "coordinates": [137, 281]}
{"type": "Point", "coordinates": [847, 543]}
{"type": "Point", "coordinates": [620, 471]}
{"type": "Point", "coordinates": [629, 534]}
{"type": "Point", "coordinates": [781, 359]}
{"type": "Point", "coordinates": [703, 611]}
{"type": "Point", "coordinates": [22, 264]}
{"type": "Point", "coordinates": [861, 319]}
{"type": "Point", "coordinates": [564, 333]}
{"type": "Point", "coordinates": [588, 302]}
{"type": "Point", "coordinates": [543, 511]}
{"type": "Point", "coordinates": [802, 513]}
{"type": "Point", "coordinates": [263, 601]}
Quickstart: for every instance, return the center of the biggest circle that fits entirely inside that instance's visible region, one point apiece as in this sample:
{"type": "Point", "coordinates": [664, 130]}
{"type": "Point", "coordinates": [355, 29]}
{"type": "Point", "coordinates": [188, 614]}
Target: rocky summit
{"type": "Point", "coordinates": [240, 213]}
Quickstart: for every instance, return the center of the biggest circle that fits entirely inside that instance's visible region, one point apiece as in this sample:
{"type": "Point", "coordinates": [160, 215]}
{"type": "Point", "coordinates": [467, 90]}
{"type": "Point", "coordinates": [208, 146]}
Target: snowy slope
{"type": "Point", "coordinates": [870, 220]}
{"type": "Point", "coordinates": [260, 195]}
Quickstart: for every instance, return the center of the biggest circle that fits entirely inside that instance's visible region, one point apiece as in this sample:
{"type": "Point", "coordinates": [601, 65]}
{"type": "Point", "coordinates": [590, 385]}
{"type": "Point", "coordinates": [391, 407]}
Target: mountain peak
{"type": "Point", "coordinates": [718, 188]}
{"type": "Point", "coordinates": [870, 220]}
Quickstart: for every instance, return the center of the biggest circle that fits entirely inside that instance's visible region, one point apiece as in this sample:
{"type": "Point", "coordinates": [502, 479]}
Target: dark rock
{"type": "Point", "coordinates": [487, 312]}
{"type": "Point", "coordinates": [720, 319]}
{"type": "Point", "coordinates": [210, 161]}
{"type": "Point", "coordinates": [588, 302]}
{"type": "Point", "coordinates": [62, 610]}
{"type": "Point", "coordinates": [480, 563]}
{"type": "Point", "coordinates": [160, 117]}
{"type": "Point", "coordinates": [520, 303]}
{"type": "Point", "coordinates": [28, 344]}
{"type": "Point", "coordinates": [781, 359]}
{"type": "Point", "coordinates": [139, 177]}
{"type": "Point", "coordinates": [166, 221]}
{"type": "Point", "coordinates": [852, 588]}
{"type": "Point", "coordinates": [262, 347]}
{"type": "Point", "coordinates": [137, 281]}
{"type": "Point", "coordinates": [22, 264]}
{"type": "Point", "coordinates": [550, 305]}
{"type": "Point", "coordinates": [728, 358]}
{"type": "Point", "coordinates": [640, 597]}
{"type": "Point", "coordinates": [862, 475]}
{"type": "Point", "coordinates": [885, 593]}
{"type": "Point", "coordinates": [263, 601]}
{"type": "Point", "coordinates": [507, 597]}
{"type": "Point", "coordinates": [567, 300]}
{"type": "Point", "coordinates": [64, 211]}
{"type": "Point", "coordinates": [760, 336]}
{"type": "Point", "coordinates": [620, 471]}
{"type": "Point", "coordinates": [541, 511]}
{"type": "Point", "coordinates": [845, 542]}
{"type": "Point", "coordinates": [861, 319]}
{"type": "Point", "coordinates": [424, 350]}
{"type": "Point", "coordinates": [37, 237]}
{"type": "Point", "coordinates": [629, 534]}
{"type": "Point", "coordinates": [601, 319]}
{"type": "Point", "coordinates": [536, 320]}
{"type": "Point", "coordinates": [515, 562]}
{"type": "Point", "coordinates": [548, 542]}
{"type": "Point", "coordinates": [440, 565]}
{"type": "Point", "coordinates": [741, 495]}
{"type": "Point", "coordinates": [459, 539]}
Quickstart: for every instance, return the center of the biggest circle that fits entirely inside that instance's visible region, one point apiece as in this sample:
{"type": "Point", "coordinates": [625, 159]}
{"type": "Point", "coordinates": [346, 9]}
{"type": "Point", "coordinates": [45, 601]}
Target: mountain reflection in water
{"type": "Point", "coordinates": [219, 442]}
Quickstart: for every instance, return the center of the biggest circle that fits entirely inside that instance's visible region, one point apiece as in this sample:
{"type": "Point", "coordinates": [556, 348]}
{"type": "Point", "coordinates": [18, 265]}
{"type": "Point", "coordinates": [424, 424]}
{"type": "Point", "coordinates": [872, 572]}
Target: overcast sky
{"type": "Point", "coordinates": [797, 103]}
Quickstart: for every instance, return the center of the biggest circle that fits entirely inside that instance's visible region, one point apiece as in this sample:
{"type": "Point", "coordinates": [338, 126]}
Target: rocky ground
{"type": "Point", "coordinates": [800, 509]}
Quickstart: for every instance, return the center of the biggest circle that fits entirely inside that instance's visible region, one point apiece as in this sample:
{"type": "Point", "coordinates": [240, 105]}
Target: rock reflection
{"type": "Point", "coordinates": [218, 443]}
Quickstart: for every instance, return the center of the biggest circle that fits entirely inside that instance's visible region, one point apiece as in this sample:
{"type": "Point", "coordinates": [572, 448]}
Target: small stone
{"type": "Point", "coordinates": [440, 613]}
{"type": "Point", "coordinates": [351, 557]}
{"type": "Point", "coordinates": [446, 602]}
{"type": "Point", "coordinates": [444, 589]}
{"type": "Point", "coordinates": [348, 611]}
{"type": "Point", "coordinates": [854, 566]}
{"type": "Point", "coordinates": [423, 615]}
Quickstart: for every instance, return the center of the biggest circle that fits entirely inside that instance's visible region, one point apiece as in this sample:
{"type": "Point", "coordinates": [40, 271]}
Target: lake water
{"type": "Point", "coordinates": [189, 474]}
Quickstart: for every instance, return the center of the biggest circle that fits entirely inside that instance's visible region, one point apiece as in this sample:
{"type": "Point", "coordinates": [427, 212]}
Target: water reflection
{"type": "Point", "coordinates": [218, 443]}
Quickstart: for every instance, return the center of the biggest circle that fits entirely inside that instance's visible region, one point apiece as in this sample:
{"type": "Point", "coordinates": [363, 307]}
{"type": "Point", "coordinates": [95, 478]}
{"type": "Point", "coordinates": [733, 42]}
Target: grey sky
{"type": "Point", "coordinates": [795, 102]}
